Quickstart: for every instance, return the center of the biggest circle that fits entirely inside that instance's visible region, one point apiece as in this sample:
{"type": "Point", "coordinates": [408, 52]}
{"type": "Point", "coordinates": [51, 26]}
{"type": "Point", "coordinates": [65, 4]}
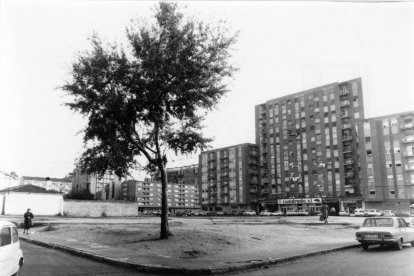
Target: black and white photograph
{"type": "Point", "coordinates": [206, 138]}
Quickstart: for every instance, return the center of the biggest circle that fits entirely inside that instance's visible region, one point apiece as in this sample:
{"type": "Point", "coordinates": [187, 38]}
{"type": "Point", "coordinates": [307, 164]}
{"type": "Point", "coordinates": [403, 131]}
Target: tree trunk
{"type": "Point", "coordinates": [165, 230]}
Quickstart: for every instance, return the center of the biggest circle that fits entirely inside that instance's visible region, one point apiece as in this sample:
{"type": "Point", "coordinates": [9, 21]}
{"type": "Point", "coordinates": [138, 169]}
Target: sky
{"type": "Point", "coordinates": [282, 48]}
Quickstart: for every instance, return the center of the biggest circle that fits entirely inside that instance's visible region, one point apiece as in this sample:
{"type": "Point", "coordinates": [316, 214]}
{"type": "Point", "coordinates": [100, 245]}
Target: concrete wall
{"type": "Point", "coordinates": [80, 208]}
{"type": "Point", "coordinates": [16, 203]}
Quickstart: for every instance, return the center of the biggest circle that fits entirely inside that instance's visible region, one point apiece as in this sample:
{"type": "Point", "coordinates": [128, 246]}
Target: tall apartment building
{"type": "Point", "coordinates": [104, 187]}
{"type": "Point", "coordinates": [308, 148]}
{"type": "Point", "coordinates": [147, 193]}
{"type": "Point", "coordinates": [181, 175]}
{"type": "Point", "coordinates": [228, 178]}
{"type": "Point", "coordinates": [388, 161]}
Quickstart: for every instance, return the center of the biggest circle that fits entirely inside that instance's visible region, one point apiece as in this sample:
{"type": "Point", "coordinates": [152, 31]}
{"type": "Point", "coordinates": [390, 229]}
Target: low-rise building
{"type": "Point", "coordinates": [105, 187]}
{"type": "Point", "coordinates": [60, 185]}
{"type": "Point", "coordinates": [9, 180]}
{"type": "Point", "coordinates": [147, 193]}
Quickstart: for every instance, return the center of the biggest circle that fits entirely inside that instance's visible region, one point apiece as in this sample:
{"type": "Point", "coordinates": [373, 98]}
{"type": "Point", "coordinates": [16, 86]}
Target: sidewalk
{"type": "Point", "coordinates": [209, 264]}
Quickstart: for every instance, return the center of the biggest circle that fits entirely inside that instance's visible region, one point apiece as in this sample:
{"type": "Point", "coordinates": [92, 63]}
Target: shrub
{"type": "Point", "coordinates": [82, 195]}
{"type": "Point", "coordinates": [103, 214]}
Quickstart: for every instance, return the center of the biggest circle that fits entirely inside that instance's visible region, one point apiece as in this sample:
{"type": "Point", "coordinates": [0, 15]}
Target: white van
{"type": "Point", "coordinates": [11, 256]}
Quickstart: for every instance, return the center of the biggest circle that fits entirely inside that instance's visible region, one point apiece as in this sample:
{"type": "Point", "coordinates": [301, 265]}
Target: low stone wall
{"type": "Point", "coordinates": [83, 208]}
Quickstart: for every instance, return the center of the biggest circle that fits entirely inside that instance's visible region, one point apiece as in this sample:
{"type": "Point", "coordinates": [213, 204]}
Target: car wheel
{"type": "Point", "coordinates": [18, 270]}
{"type": "Point", "coordinates": [412, 243]}
{"type": "Point", "coordinates": [365, 246]}
{"type": "Point", "coordinates": [399, 245]}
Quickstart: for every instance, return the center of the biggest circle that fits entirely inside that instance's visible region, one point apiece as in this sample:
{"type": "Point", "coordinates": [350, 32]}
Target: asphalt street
{"type": "Point", "coordinates": [376, 261]}
{"type": "Point", "coordinates": [42, 261]}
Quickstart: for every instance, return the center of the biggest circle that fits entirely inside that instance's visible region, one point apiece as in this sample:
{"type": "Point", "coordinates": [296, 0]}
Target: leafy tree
{"type": "Point", "coordinates": [152, 99]}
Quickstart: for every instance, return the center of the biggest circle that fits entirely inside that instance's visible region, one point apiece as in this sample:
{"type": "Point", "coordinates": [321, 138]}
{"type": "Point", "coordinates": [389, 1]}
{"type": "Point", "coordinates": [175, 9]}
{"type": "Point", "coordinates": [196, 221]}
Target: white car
{"type": "Point", "coordinates": [249, 213]}
{"type": "Point", "coordinates": [385, 231]}
{"type": "Point", "coordinates": [372, 213]}
{"type": "Point", "coordinates": [344, 214]}
{"type": "Point", "coordinates": [359, 212]}
{"type": "Point", "coordinates": [11, 256]}
{"type": "Point", "coordinates": [276, 213]}
{"type": "Point", "coordinates": [388, 213]}
{"type": "Point", "coordinates": [265, 213]}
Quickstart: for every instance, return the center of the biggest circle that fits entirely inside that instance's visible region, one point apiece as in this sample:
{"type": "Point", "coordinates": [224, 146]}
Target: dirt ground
{"type": "Point", "coordinates": [203, 237]}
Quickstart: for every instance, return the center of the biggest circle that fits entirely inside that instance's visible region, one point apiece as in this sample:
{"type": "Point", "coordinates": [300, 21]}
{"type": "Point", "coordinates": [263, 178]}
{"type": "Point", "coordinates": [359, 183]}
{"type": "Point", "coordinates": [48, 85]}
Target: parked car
{"type": "Point", "coordinates": [372, 213]}
{"type": "Point", "coordinates": [228, 213]}
{"type": "Point", "coordinates": [276, 213]}
{"type": "Point", "coordinates": [359, 212]}
{"type": "Point", "coordinates": [385, 231]}
{"type": "Point", "coordinates": [344, 213]}
{"type": "Point", "coordinates": [302, 212]}
{"type": "Point", "coordinates": [388, 213]}
{"type": "Point", "coordinates": [265, 213]}
{"type": "Point", "coordinates": [204, 213]}
{"type": "Point", "coordinates": [237, 213]}
{"type": "Point", "coordinates": [183, 214]}
{"type": "Point", "coordinates": [249, 213]}
{"type": "Point", "coordinates": [11, 256]}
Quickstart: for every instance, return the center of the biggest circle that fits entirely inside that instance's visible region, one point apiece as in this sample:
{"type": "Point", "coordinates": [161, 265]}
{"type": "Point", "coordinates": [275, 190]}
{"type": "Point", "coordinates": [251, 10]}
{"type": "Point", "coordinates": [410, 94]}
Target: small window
{"type": "Point", "coordinates": [5, 236]}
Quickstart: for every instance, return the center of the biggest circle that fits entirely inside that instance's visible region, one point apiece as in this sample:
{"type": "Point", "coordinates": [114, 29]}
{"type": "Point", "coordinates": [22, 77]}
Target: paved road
{"type": "Point", "coordinates": [376, 261]}
{"type": "Point", "coordinates": [42, 261]}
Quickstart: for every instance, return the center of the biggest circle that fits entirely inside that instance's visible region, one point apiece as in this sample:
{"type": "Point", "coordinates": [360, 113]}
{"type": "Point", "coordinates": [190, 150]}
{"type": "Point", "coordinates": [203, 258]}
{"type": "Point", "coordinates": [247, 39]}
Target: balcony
{"type": "Point", "coordinates": [265, 180]}
{"type": "Point", "coordinates": [345, 103]}
{"type": "Point", "coordinates": [408, 139]}
{"type": "Point", "coordinates": [347, 150]}
{"type": "Point", "coordinates": [349, 174]}
{"type": "Point", "coordinates": [344, 91]}
{"type": "Point", "coordinates": [253, 191]}
{"type": "Point", "coordinates": [349, 162]}
{"type": "Point", "coordinates": [346, 126]}
{"type": "Point", "coordinates": [407, 126]}
{"type": "Point", "coordinates": [343, 116]}
{"type": "Point", "coordinates": [347, 138]}
{"type": "Point", "coordinates": [407, 153]}
{"type": "Point", "coordinates": [264, 192]}
{"type": "Point", "coordinates": [409, 167]}
{"type": "Point", "coordinates": [252, 172]}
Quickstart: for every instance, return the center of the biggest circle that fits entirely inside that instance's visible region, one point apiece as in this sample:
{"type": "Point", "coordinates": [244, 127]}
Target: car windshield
{"type": "Point", "coordinates": [378, 222]}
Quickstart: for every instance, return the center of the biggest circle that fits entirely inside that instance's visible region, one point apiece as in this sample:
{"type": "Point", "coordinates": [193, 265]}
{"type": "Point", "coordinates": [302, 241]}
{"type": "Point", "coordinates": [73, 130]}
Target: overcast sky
{"type": "Point", "coordinates": [282, 48]}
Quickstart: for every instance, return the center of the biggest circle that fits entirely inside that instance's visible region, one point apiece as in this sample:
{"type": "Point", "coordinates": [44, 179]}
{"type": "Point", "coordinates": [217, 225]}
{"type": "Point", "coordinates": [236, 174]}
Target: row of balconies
{"type": "Point", "coordinates": [407, 126]}
{"type": "Point", "coordinates": [408, 139]}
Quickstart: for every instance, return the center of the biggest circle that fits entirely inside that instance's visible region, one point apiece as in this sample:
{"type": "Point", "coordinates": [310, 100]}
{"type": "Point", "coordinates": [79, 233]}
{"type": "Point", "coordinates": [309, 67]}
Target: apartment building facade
{"type": "Point", "coordinates": [228, 178]}
{"type": "Point", "coordinates": [388, 158]}
{"type": "Point", "coordinates": [181, 175]}
{"type": "Point", "coordinates": [147, 193]}
{"type": "Point", "coordinates": [308, 148]}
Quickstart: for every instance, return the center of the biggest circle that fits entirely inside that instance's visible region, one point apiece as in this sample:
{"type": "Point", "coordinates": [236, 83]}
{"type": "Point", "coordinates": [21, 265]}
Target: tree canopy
{"type": "Point", "coordinates": [151, 97]}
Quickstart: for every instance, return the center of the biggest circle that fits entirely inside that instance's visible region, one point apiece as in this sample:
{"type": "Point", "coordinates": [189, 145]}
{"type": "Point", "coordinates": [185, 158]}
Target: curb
{"type": "Point", "coordinates": [182, 271]}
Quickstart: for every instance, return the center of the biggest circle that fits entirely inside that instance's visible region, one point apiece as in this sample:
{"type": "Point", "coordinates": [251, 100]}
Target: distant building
{"type": "Point", "coordinates": [9, 180]}
{"type": "Point", "coordinates": [388, 161]}
{"type": "Point", "coordinates": [106, 187]}
{"type": "Point", "coordinates": [180, 175]}
{"type": "Point", "coordinates": [308, 147]}
{"type": "Point", "coordinates": [60, 185]}
{"type": "Point", "coordinates": [147, 194]}
{"type": "Point", "coordinates": [228, 178]}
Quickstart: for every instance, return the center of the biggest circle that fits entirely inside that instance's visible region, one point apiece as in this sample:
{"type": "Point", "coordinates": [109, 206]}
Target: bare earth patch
{"type": "Point", "coordinates": [203, 238]}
